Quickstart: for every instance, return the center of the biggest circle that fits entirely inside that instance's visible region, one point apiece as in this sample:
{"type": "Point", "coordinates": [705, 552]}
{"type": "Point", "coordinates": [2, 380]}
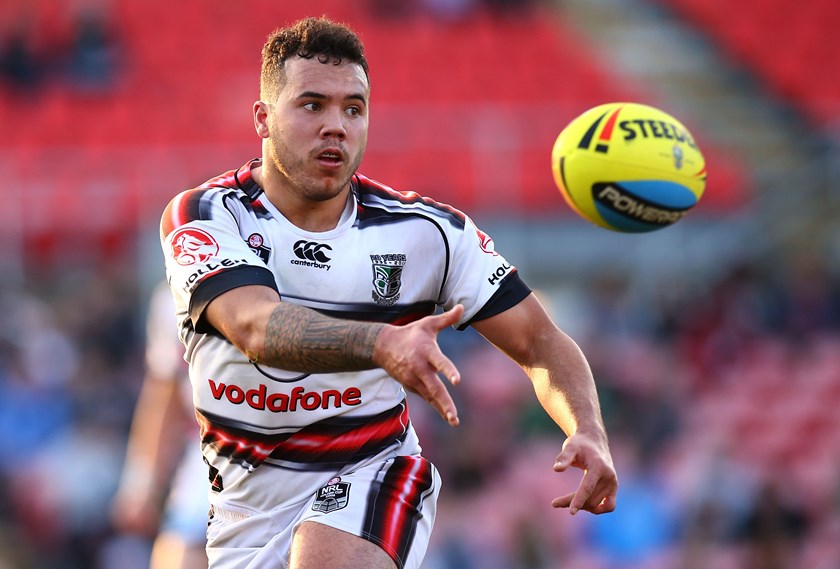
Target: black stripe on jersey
{"type": "Point", "coordinates": [397, 315]}
{"type": "Point", "coordinates": [370, 214]}
{"type": "Point", "coordinates": [345, 440]}
{"type": "Point", "coordinates": [255, 207]}
{"type": "Point", "coordinates": [189, 205]}
{"type": "Point", "coordinates": [512, 291]}
{"type": "Point", "coordinates": [363, 308]}
{"type": "Point", "coordinates": [328, 444]}
{"type": "Point", "coordinates": [204, 208]}
{"type": "Point", "coordinates": [365, 187]}
{"type": "Point", "coordinates": [245, 182]}
{"type": "Point", "coordinates": [248, 195]}
{"type": "Point", "coordinates": [222, 282]}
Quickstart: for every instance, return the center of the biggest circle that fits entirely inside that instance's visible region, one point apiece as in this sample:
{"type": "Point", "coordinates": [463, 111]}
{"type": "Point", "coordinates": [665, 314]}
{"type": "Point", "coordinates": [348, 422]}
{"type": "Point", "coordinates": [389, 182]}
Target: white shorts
{"type": "Point", "coordinates": [390, 502]}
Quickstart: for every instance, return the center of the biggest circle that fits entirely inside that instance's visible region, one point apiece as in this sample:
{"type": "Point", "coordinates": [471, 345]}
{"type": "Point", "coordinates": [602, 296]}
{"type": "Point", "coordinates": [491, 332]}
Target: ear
{"type": "Point", "coordinates": [261, 118]}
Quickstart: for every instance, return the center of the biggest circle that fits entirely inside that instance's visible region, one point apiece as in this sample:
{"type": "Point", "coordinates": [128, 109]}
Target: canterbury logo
{"type": "Point", "coordinates": [312, 251]}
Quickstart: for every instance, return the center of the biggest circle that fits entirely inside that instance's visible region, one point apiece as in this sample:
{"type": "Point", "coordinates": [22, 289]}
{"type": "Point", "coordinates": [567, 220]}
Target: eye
{"type": "Point", "coordinates": [353, 111]}
{"type": "Point", "coordinates": [312, 106]}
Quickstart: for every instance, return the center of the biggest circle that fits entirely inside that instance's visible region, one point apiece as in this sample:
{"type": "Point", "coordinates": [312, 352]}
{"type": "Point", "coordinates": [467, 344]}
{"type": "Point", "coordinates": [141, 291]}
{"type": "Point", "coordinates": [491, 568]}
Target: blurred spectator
{"type": "Point", "coordinates": [774, 529]}
{"type": "Point", "coordinates": [163, 488]}
{"type": "Point", "coordinates": [93, 57]}
{"type": "Point", "coordinates": [719, 387]}
{"type": "Point", "coordinates": [449, 10]}
{"type": "Point", "coordinates": [21, 67]}
{"type": "Point", "coordinates": [701, 444]}
{"type": "Point", "coordinates": [811, 299]}
{"type": "Point", "coordinates": [37, 363]}
{"type": "Point", "coordinates": [75, 48]}
{"type": "Point", "coordinates": [508, 8]}
{"type": "Point", "coordinates": [390, 10]}
{"type": "Point", "coordinates": [63, 416]}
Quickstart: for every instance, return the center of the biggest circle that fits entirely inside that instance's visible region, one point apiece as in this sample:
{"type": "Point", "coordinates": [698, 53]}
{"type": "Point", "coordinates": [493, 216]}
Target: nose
{"type": "Point", "coordinates": [334, 124]}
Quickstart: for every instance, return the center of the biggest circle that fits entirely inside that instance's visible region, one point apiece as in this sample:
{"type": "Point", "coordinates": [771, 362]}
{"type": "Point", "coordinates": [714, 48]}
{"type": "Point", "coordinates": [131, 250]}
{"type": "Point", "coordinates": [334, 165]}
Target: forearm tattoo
{"type": "Point", "coordinates": [300, 339]}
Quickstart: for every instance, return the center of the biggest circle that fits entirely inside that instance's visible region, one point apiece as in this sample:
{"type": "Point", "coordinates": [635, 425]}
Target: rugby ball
{"type": "Point", "coordinates": [628, 167]}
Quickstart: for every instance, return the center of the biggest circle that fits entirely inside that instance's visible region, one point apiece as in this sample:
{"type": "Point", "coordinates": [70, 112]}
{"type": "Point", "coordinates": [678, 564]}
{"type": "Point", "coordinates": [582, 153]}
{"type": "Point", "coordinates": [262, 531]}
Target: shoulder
{"type": "Point", "coordinates": [377, 200]}
{"type": "Point", "coordinates": [202, 202]}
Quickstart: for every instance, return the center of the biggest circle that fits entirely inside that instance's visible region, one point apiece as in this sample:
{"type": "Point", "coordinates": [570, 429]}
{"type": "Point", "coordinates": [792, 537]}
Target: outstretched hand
{"type": "Point", "coordinates": [597, 490]}
{"type": "Point", "coordinates": [411, 355]}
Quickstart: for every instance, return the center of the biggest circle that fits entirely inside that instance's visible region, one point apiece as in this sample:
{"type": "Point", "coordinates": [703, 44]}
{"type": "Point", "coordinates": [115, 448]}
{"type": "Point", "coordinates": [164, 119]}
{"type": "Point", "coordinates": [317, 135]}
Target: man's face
{"type": "Point", "coordinates": [317, 128]}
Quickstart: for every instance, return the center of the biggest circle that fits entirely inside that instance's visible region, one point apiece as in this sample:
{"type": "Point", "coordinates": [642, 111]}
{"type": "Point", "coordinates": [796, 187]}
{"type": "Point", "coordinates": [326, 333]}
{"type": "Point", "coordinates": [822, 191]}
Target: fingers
{"type": "Point", "coordinates": [597, 490]}
{"type": "Point", "coordinates": [448, 318]}
{"type": "Point", "coordinates": [411, 355]}
{"type": "Point", "coordinates": [595, 494]}
{"type": "Point", "coordinates": [443, 403]}
{"type": "Point", "coordinates": [433, 389]}
{"type": "Point", "coordinates": [594, 505]}
{"type": "Point", "coordinates": [441, 363]}
{"type": "Point", "coordinates": [445, 367]}
{"type": "Point", "coordinates": [564, 460]}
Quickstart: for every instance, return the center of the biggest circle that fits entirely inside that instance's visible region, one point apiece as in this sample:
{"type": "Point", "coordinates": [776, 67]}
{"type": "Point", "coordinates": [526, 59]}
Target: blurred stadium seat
{"type": "Point", "coordinates": [465, 111]}
{"type": "Point", "coordinates": [791, 48]}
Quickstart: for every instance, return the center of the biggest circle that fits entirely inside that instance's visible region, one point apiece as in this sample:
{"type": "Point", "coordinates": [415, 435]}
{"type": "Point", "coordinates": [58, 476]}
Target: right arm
{"type": "Point", "coordinates": [296, 338]}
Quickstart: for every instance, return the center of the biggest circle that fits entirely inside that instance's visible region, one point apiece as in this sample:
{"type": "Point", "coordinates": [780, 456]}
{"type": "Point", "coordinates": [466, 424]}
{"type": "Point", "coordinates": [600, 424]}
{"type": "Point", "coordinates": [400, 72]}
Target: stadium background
{"type": "Point", "coordinates": [714, 342]}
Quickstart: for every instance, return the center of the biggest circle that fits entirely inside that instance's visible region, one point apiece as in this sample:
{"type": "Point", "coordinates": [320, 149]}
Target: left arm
{"type": "Point", "coordinates": [566, 389]}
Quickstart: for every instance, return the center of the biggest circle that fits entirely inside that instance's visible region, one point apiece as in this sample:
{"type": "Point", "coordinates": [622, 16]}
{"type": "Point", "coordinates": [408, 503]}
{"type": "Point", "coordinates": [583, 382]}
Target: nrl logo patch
{"type": "Point", "coordinates": [332, 497]}
{"type": "Point", "coordinates": [387, 278]}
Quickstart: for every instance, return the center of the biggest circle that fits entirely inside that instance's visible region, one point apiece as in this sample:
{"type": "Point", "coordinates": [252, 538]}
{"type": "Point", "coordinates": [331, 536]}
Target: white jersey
{"type": "Point", "coordinates": [394, 257]}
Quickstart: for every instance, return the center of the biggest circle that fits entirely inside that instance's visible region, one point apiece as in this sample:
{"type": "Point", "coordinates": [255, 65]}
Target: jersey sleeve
{"type": "Point", "coordinates": [479, 277]}
{"type": "Point", "coordinates": [205, 253]}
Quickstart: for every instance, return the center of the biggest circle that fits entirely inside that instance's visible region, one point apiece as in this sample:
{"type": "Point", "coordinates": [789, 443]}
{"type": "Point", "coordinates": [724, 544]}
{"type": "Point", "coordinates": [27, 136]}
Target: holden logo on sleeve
{"type": "Point", "coordinates": [191, 245]}
{"type": "Point", "coordinates": [387, 277]}
{"type": "Point", "coordinates": [486, 242]}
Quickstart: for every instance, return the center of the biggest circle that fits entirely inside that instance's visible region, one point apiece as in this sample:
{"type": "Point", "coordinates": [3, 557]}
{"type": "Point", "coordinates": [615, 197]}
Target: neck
{"type": "Point", "coordinates": [306, 213]}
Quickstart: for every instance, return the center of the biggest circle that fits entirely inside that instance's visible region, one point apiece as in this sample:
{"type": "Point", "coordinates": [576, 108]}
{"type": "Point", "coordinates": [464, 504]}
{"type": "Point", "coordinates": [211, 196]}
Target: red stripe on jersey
{"type": "Point", "coordinates": [184, 208]}
{"type": "Point", "coordinates": [169, 222]}
{"type": "Point", "coordinates": [225, 180]}
{"type": "Point", "coordinates": [396, 505]}
{"type": "Point", "coordinates": [337, 440]}
{"type": "Point", "coordinates": [404, 319]}
{"type": "Point", "coordinates": [333, 443]}
{"type": "Point", "coordinates": [230, 443]}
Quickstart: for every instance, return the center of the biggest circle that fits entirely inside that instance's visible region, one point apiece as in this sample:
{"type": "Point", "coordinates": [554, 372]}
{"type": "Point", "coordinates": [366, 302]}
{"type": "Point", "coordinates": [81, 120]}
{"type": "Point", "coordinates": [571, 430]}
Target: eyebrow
{"type": "Point", "coordinates": [316, 95]}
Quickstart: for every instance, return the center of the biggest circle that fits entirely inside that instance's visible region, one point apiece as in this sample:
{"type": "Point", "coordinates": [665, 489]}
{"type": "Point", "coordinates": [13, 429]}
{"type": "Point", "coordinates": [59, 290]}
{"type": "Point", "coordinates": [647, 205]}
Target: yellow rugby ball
{"type": "Point", "coordinates": [628, 167]}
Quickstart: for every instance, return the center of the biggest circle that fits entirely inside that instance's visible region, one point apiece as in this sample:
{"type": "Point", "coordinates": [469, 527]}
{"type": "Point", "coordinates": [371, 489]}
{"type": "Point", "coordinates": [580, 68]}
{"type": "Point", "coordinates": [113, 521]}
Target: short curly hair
{"type": "Point", "coordinates": [323, 38]}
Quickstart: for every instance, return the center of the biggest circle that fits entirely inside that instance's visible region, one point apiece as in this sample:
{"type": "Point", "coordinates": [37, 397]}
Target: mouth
{"type": "Point", "coordinates": [330, 157]}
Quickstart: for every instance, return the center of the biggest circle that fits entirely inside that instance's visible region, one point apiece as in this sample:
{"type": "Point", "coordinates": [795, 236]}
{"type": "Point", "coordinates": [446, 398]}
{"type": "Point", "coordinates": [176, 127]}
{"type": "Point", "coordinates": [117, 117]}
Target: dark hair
{"type": "Point", "coordinates": [307, 38]}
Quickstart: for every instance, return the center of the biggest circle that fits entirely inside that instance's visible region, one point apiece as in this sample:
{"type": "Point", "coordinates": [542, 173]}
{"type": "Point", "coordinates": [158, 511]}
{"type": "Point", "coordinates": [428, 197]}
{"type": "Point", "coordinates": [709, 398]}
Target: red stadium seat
{"type": "Point", "coordinates": [795, 52]}
{"type": "Point", "coordinates": [469, 107]}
